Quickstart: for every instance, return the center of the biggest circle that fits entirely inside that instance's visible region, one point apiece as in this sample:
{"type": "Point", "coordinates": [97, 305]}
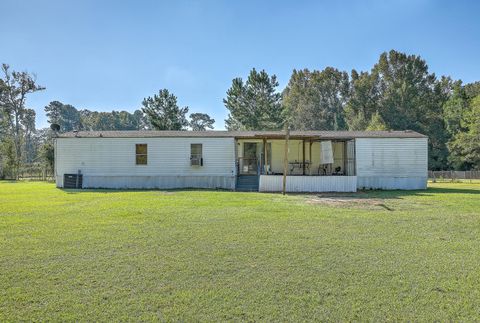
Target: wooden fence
{"type": "Point", "coordinates": [453, 175]}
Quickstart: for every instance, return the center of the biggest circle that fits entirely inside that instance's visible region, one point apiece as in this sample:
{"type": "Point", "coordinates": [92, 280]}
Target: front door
{"type": "Point", "coordinates": [249, 164]}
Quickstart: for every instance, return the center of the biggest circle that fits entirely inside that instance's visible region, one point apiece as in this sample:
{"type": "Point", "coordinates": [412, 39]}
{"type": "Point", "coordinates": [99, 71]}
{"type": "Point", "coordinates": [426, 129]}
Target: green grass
{"type": "Point", "coordinates": [217, 256]}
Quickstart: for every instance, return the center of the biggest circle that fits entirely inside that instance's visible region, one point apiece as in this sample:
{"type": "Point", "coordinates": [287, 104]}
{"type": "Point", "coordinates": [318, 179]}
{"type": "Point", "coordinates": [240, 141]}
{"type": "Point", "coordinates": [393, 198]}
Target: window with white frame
{"type": "Point", "coordinates": [196, 158]}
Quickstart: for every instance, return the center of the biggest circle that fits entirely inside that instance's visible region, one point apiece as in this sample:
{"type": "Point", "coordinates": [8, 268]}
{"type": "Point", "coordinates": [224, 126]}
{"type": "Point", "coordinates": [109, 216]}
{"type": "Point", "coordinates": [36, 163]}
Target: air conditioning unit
{"type": "Point", "coordinates": [195, 161]}
{"type": "Point", "coordinates": [72, 180]}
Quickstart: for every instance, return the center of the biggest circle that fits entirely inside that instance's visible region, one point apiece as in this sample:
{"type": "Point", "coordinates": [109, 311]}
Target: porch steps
{"type": "Point", "coordinates": [247, 183]}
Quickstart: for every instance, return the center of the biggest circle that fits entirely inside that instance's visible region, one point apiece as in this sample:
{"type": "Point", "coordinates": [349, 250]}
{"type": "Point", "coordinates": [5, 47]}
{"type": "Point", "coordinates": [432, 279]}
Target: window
{"type": "Point", "coordinates": [141, 154]}
{"type": "Point", "coordinates": [196, 158]}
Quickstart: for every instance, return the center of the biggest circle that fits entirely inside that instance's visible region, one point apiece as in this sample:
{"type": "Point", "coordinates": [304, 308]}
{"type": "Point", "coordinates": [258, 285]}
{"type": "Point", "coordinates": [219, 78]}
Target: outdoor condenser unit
{"type": "Point", "coordinates": [72, 180]}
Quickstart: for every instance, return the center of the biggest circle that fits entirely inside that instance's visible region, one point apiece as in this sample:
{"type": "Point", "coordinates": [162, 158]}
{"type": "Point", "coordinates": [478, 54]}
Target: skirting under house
{"type": "Point", "coordinates": [159, 182]}
{"type": "Point", "coordinates": [274, 183]}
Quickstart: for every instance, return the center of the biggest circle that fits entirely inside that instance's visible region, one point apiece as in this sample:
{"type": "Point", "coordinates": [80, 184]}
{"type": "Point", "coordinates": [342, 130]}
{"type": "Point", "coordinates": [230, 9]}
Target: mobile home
{"type": "Point", "coordinates": [317, 161]}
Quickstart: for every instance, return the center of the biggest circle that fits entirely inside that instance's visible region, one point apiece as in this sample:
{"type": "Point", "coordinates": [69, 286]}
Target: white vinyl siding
{"type": "Point", "coordinates": [398, 157]}
{"type": "Point", "coordinates": [166, 156]}
{"type": "Point", "coordinates": [392, 163]}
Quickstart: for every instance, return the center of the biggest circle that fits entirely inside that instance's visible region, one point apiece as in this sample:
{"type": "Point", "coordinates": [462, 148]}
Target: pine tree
{"type": "Point", "coordinates": [163, 112]}
{"type": "Point", "coordinates": [255, 104]}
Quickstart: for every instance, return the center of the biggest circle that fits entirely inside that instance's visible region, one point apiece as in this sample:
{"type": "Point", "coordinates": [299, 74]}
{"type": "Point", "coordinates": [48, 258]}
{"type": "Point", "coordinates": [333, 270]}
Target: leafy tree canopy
{"type": "Point", "coordinates": [316, 99]}
{"type": "Point", "coordinates": [17, 122]}
{"type": "Point", "coordinates": [465, 145]}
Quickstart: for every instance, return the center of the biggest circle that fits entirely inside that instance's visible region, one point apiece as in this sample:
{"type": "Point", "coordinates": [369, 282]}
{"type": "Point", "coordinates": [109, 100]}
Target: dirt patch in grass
{"type": "Point", "coordinates": [166, 192]}
{"type": "Point", "coordinates": [348, 201]}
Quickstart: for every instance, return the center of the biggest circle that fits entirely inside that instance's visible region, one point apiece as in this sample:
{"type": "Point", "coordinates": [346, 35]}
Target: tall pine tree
{"type": "Point", "coordinates": [255, 104]}
{"type": "Point", "coordinates": [163, 112]}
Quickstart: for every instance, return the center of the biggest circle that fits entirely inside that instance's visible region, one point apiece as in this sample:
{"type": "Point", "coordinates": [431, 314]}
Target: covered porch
{"type": "Point", "coordinates": [313, 164]}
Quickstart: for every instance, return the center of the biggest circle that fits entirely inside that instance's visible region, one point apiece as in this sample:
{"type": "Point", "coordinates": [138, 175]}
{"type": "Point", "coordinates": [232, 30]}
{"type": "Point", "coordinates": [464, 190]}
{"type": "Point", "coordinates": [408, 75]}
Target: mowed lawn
{"type": "Point", "coordinates": [218, 256]}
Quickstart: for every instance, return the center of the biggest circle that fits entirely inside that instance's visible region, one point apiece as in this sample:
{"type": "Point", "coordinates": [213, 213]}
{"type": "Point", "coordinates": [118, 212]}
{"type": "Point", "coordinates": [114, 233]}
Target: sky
{"type": "Point", "coordinates": [109, 55]}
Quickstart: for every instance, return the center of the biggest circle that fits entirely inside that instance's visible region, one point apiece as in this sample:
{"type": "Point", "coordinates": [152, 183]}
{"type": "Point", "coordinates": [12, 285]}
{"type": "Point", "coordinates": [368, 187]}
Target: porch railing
{"type": "Point", "coordinates": [248, 166]}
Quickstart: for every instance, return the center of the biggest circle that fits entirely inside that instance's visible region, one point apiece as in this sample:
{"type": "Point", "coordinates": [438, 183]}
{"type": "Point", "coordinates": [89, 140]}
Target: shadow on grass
{"type": "Point", "coordinates": [383, 194]}
{"type": "Point", "coordinates": [398, 194]}
{"type": "Point", "coordinates": [134, 190]}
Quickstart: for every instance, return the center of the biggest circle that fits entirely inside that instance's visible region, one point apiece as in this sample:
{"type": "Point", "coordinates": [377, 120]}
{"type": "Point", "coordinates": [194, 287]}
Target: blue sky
{"type": "Point", "coordinates": [105, 55]}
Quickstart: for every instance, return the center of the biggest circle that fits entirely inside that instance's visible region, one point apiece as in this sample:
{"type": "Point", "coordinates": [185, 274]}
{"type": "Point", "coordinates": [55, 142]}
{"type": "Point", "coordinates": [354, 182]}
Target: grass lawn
{"type": "Point", "coordinates": [216, 256]}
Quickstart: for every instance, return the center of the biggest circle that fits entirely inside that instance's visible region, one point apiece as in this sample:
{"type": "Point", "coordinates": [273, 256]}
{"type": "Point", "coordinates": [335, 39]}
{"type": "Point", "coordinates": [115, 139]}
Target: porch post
{"type": "Point", "coordinates": [237, 161]}
{"type": "Point", "coordinates": [265, 155]}
{"type": "Point", "coordinates": [310, 156]}
{"type": "Point", "coordinates": [285, 160]}
{"type": "Point", "coordinates": [303, 153]}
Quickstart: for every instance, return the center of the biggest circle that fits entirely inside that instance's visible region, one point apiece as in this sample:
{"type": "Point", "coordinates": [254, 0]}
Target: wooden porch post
{"type": "Point", "coordinates": [303, 153]}
{"type": "Point", "coordinates": [310, 156]}
{"type": "Point", "coordinates": [285, 161]}
{"type": "Point", "coordinates": [265, 155]}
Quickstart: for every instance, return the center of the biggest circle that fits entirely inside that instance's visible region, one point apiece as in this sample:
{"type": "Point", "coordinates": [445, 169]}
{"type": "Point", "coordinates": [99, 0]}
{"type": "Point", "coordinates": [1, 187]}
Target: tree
{"type": "Point", "coordinates": [364, 100]}
{"type": "Point", "coordinates": [402, 92]}
{"type": "Point", "coordinates": [29, 136]}
{"type": "Point", "coordinates": [69, 118]}
{"type": "Point", "coordinates": [435, 124]}
{"type": "Point", "coordinates": [455, 108]}
{"type": "Point", "coordinates": [412, 98]}
{"type": "Point", "coordinates": [163, 112]}
{"type": "Point", "coordinates": [47, 155]}
{"type": "Point", "coordinates": [460, 111]}
{"type": "Point", "coordinates": [472, 89]}
{"type": "Point", "coordinates": [255, 104]}
{"type": "Point", "coordinates": [201, 121]}
{"type": "Point", "coordinates": [454, 111]}
{"type": "Point", "coordinates": [15, 87]}
{"type": "Point", "coordinates": [140, 120]}
{"type": "Point", "coordinates": [317, 99]}
{"type": "Point", "coordinates": [406, 88]}
{"type": "Point", "coordinates": [8, 158]}
{"type": "Point", "coordinates": [65, 115]}
{"type": "Point", "coordinates": [466, 143]}
{"type": "Point", "coordinates": [377, 123]}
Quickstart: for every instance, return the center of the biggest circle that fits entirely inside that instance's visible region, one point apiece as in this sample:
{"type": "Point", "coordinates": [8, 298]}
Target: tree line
{"type": "Point", "coordinates": [21, 144]}
{"type": "Point", "coordinates": [159, 112]}
{"type": "Point", "coordinates": [398, 93]}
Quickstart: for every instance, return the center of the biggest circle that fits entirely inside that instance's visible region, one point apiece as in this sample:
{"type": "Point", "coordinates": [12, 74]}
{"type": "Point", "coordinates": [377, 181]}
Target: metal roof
{"type": "Point", "coordinates": [243, 134]}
